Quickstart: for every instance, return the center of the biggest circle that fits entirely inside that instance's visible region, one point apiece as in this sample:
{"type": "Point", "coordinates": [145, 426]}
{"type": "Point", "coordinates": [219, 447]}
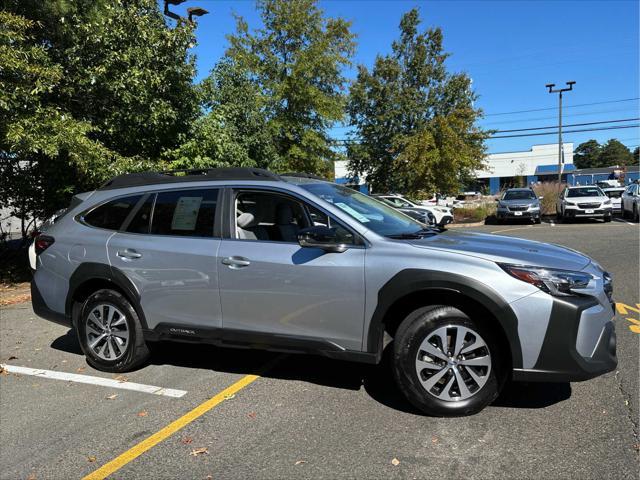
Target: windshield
{"type": "Point", "coordinates": [519, 195]}
{"type": "Point", "coordinates": [375, 215]}
{"type": "Point", "coordinates": [398, 202]}
{"type": "Point", "coordinates": [614, 193]}
{"type": "Point", "coordinates": [584, 192]}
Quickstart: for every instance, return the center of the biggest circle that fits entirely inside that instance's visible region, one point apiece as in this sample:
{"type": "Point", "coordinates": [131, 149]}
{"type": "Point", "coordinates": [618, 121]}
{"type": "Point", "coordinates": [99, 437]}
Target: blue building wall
{"type": "Point", "coordinates": [494, 185]}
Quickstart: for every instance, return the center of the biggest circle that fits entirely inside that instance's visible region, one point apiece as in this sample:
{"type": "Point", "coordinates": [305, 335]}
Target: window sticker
{"type": "Point", "coordinates": [358, 216]}
{"type": "Point", "coordinates": [186, 213]}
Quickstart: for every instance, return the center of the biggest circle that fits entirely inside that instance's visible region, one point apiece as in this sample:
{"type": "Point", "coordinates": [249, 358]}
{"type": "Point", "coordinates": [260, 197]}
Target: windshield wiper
{"type": "Point", "coordinates": [414, 235]}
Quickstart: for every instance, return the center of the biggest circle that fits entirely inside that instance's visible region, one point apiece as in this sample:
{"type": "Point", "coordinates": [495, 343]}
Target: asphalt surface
{"type": "Point", "coordinates": [310, 417]}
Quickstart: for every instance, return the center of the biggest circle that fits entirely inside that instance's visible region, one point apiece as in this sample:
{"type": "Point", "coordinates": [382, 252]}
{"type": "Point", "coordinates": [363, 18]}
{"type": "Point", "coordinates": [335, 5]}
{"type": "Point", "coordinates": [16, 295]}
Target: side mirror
{"type": "Point", "coordinates": [497, 199]}
{"type": "Point", "coordinates": [321, 237]}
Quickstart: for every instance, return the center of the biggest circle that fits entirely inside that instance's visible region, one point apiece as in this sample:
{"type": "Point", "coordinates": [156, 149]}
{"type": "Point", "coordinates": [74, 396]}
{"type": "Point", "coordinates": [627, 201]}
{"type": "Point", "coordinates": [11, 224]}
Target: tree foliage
{"type": "Point", "coordinates": [591, 154]}
{"type": "Point", "coordinates": [89, 89]}
{"type": "Point", "coordinates": [296, 60]}
{"type": "Point", "coordinates": [415, 121]}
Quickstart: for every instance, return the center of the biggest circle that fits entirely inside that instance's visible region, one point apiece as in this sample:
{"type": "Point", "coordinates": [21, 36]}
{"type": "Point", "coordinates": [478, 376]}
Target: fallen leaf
{"type": "Point", "coordinates": [3, 371]}
{"type": "Point", "coordinates": [143, 413]}
{"type": "Point", "coordinates": [229, 397]}
{"type": "Point", "coordinates": [91, 458]}
{"type": "Point", "coordinates": [395, 462]}
{"type": "Point", "coordinates": [199, 451]}
{"type": "Point", "coordinates": [434, 439]}
{"type": "Point", "coordinates": [208, 477]}
{"type": "Point", "coordinates": [186, 440]}
{"type": "Point", "coordinates": [12, 357]}
{"type": "Point", "coordinates": [64, 361]}
{"type": "Point", "coordinates": [121, 378]}
{"type": "Point", "coordinates": [38, 349]}
{"type": "Point", "coordinates": [111, 397]}
{"type": "Point", "coordinates": [81, 369]}
{"type": "Point", "coordinates": [251, 414]}
{"type": "Point", "coordinates": [32, 476]}
{"type": "Point", "coordinates": [300, 462]}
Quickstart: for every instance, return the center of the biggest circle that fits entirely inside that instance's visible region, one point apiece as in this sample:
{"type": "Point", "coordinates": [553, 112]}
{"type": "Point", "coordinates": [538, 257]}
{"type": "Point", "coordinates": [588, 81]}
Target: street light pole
{"type": "Point", "coordinates": [559, 91]}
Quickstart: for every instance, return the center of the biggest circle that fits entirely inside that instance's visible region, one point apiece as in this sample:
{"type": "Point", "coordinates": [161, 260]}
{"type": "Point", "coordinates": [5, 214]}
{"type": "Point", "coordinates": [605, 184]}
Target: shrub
{"type": "Point", "coordinates": [549, 192]}
{"type": "Point", "coordinates": [474, 214]}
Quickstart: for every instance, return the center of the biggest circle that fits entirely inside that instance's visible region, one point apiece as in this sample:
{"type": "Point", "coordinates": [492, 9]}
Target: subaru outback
{"type": "Point", "coordinates": [247, 258]}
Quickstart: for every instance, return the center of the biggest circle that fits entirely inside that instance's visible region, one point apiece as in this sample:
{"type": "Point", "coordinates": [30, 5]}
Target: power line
{"type": "Point", "coordinates": [581, 114]}
{"type": "Point", "coordinates": [568, 131]}
{"type": "Point", "coordinates": [568, 106]}
{"type": "Point", "coordinates": [570, 125]}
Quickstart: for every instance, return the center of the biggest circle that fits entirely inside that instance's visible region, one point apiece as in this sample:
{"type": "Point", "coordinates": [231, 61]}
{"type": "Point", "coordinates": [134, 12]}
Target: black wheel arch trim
{"type": "Point", "coordinates": [90, 271]}
{"type": "Point", "coordinates": [411, 280]}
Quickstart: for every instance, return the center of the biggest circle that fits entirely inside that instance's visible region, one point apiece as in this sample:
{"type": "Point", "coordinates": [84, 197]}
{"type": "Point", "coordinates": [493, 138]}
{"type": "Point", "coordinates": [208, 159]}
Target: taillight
{"type": "Point", "coordinates": [42, 242]}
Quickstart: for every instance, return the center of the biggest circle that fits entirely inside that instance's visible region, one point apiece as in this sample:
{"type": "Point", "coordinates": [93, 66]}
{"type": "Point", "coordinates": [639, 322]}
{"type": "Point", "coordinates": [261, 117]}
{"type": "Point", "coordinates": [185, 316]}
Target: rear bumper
{"type": "Point", "coordinates": [580, 344]}
{"type": "Point", "coordinates": [41, 308]}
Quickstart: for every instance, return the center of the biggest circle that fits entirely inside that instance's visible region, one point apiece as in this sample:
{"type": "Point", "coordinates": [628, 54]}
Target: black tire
{"type": "Point", "coordinates": [636, 216]}
{"type": "Point", "coordinates": [538, 221]}
{"type": "Point", "coordinates": [607, 218]}
{"type": "Point", "coordinates": [136, 351]}
{"type": "Point", "coordinates": [414, 329]}
{"type": "Point", "coordinates": [624, 212]}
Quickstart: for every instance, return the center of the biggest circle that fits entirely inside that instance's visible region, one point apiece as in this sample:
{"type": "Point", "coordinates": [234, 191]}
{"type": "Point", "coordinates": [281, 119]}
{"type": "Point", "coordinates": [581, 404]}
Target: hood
{"type": "Point", "coordinates": [526, 201]}
{"type": "Point", "coordinates": [586, 199]}
{"type": "Point", "coordinates": [503, 249]}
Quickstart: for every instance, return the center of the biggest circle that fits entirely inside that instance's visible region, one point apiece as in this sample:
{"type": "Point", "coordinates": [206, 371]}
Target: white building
{"type": "Point", "coordinates": [537, 164]}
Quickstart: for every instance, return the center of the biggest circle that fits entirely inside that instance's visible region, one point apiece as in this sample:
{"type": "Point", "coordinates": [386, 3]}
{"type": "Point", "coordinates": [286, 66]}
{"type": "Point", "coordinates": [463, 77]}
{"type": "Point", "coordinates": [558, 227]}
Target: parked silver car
{"type": "Point", "coordinates": [518, 204]}
{"type": "Point", "coordinates": [630, 202]}
{"type": "Point", "coordinates": [247, 258]}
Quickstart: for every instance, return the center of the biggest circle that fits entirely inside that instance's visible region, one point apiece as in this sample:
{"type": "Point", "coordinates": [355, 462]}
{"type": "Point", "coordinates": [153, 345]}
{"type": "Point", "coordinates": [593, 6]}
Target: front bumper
{"type": "Point", "coordinates": [445, 220]}
{"type": "Point", "coordinates": [587, 213]}
{"type": "Point", "coordinates": [500, 213]}
{"type": "Point", "coordinates": [579, 344]}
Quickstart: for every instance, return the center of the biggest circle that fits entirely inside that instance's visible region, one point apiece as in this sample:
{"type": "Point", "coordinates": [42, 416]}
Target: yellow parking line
{"type": "Point", "coordinates": [514, 228]}
{"type": "Point", "coordinates": [151, 441]}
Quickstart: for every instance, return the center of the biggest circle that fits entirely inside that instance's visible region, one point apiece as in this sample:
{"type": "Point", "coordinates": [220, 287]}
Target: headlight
{"type": "Point", "coordinates": [554, 282]}
{"type": "Point", "coordinates": [607, 202]}
{"type": "Point", "coordinates": [569, 203]}
{"type": "Point", "coordinates": [534, 207]}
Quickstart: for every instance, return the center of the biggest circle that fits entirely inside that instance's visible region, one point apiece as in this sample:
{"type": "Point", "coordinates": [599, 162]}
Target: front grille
{"type": "Point", "coordinates": [518, 208]}
{"type": "Point", "coordinates": [589, 205]}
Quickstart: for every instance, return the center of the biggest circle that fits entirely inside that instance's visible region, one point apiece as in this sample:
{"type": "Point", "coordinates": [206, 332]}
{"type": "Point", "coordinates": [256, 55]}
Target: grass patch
{"type": "Point", "coordinates": [474, 214]}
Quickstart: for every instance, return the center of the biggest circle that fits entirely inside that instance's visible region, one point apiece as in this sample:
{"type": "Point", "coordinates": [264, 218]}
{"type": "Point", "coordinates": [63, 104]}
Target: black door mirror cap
{"type": "Point", "coordinates": [321, 237]}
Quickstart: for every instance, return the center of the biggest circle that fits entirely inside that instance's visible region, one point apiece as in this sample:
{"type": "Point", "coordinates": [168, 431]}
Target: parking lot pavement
{"type": "Point", "coordinates": [314, 417]}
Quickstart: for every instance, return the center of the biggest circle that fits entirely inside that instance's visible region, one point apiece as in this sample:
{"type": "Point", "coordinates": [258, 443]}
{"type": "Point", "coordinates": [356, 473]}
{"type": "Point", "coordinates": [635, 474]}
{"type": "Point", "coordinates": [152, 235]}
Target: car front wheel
{"type": "Point", "coordinates": [110, 333]}
{"type": "Point", "coordinates": [445, 363]}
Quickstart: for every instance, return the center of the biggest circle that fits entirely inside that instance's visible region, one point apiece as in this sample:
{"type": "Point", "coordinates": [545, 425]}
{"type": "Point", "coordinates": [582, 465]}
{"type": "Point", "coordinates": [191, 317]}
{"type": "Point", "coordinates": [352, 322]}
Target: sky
{"type": "Point", "coordinates": [510, 49]}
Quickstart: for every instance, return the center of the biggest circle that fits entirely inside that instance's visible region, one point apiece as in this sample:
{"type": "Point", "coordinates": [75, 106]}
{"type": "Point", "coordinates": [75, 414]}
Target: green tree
{"type": "Point", "coordinates": [615, 153]}
{"type": "Point", "coordinates": [636, 155]}
{"type": "Point", "coordinates": [587, 154]}
{"type": "Point", "coordinates": [415, 121]}
{"type": "Point", "coordinates": [234, 131]}
{"type": "Point", "coordinates": [296, 59]}
{"type": "Point", "coordinates": [89, 89]}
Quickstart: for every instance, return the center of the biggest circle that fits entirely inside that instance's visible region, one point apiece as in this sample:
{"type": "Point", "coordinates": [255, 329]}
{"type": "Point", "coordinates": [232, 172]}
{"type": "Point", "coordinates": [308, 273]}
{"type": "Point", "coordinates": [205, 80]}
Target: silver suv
{"type": "Point", "coordinates": [247, 258]}
{"type": "Point", "coordinates": [518, 204]}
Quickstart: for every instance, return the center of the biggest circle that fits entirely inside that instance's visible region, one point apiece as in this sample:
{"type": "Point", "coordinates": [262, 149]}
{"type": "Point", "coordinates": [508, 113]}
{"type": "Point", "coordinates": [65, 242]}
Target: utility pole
{"type": "Point", "coordinates": [559, 91]}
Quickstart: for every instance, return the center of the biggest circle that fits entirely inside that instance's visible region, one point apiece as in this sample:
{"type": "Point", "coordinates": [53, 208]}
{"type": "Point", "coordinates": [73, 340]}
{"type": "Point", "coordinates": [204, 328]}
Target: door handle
{"type": "Point", "coordinates": [128, 254]}
{"type": "Point", "coordinates": [236, 262]}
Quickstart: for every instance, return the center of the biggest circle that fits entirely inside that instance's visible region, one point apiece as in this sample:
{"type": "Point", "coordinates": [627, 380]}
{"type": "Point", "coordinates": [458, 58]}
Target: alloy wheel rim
{"type": "Point", "coordinates": [453, 363]}
{"type": "Point", "coordinates": [107, 332]}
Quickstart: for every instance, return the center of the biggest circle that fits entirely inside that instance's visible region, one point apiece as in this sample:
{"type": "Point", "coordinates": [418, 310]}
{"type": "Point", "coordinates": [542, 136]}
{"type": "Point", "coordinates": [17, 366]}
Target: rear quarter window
{"type": "Point", "coordinates": [112, 214]}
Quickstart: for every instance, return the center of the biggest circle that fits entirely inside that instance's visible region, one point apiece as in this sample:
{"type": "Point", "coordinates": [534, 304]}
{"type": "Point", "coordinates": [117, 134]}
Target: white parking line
{"type": "Point", "coordinates": [103, 382]}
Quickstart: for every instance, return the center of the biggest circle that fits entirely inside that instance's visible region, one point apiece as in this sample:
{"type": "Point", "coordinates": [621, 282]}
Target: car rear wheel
{"type": "Point", "coordinates": [110, 333]}
{"type": "Point", "coordinates": [445, 363]}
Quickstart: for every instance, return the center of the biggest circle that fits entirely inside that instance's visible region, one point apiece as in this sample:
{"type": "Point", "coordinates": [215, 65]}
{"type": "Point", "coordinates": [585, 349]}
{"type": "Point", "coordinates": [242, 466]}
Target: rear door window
{"type": "Point", "coordinates": [188, 213]}
{"type": "Point", "coordinates": [141, 220]}
{"type": "Point", "coordinates": [112, 214]}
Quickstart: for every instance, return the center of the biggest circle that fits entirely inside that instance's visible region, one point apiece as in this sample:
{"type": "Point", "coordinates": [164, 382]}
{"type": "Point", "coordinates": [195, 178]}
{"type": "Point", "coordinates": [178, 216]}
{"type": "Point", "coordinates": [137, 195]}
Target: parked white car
{"type": "Point", "coordinates": [615, 194]}
{"type": "Point", "coordinates": [444, 215]}
{"type": "Point", "coordinates": [583, 202]}
{"type": "Point", "coordinates": [630, 202]}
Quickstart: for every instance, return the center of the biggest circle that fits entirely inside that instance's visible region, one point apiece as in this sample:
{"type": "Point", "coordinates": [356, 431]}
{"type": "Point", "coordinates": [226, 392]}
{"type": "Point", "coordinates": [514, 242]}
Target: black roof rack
{"type": "Point", "coordinates": [304, 175]}
{"type": "Point", "coordinates": [188, 175]}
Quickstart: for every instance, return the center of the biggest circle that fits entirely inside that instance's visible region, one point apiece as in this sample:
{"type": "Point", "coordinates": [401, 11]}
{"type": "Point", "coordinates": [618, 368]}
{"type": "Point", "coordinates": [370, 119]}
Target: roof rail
{"type": "Point", "coordinates": [188, 175]}
{"type": "Point", "coordinates": [304, 175]}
